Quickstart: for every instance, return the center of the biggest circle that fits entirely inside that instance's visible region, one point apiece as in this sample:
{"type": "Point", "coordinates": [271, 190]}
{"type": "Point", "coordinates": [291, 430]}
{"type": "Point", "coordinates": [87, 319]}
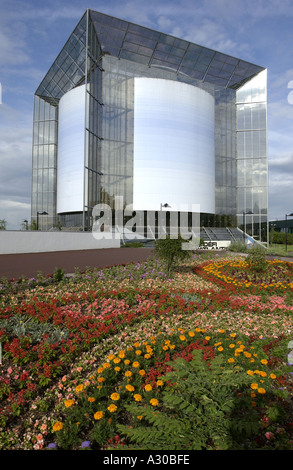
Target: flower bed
{"type": "Point", "coordinates": [66, 347]}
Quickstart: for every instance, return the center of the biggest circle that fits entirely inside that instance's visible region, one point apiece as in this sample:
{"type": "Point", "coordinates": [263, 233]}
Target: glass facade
{"type": "Point", "coordinates": [106, 54]}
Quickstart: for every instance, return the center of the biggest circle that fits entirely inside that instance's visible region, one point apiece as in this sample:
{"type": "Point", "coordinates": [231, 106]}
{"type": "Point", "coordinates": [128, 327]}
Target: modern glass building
{"type": "Point", "coordinates": [132, 112]}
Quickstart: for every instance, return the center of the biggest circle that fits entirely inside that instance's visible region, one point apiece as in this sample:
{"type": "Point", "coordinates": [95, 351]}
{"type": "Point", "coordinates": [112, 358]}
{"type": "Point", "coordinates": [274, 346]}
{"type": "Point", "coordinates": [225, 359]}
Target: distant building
{"type": "Point", "coordinates": [132, 112]}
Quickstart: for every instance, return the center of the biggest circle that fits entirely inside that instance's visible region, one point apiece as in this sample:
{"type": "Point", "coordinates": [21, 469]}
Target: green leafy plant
{"type": "Point", "coordinates": [200, 409]}
{"type": "Point", "coordinates": [256, 260]}
{"type": "Point", "coordinates": [170, 252]}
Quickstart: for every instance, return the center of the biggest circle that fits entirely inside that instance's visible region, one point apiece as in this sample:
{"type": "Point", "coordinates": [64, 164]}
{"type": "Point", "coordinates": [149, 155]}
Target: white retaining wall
{"type": "Point", "coordinates": [37, 242]}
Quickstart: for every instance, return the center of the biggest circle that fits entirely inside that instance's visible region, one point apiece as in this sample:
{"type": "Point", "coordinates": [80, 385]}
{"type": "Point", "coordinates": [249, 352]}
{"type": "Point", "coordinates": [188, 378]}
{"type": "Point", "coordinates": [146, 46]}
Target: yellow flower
{"type": "Point", "coordinates": [148, 387]}
{"type": "Point", "coordinates": [126, 362]}
{"type": "Point", "coordinates": [160, 383]}
{"type": "Point", "coordinates": [250, 372]}
{"type": "Point", "coordinates": [273, 376]}
{"type": "Point", "coordinates": [231, 360]}
{"type": "Point", "coordinates": [207, 338]}
{"type": "Point", "coordinates": [128, 373]}
{"type": "Point", "coordinates": [115, 396]}
{"type": "Point", "coordinates": [264, 361]}
{"type": "Point", "coordinates": [147, 356]}
{"type": "Point", "coordinates": [139, 417]}
{"type": "Point", "coordinates": [137, 397]}
{"type": "Point", "coordinates": [261, 390]}
{"type": "Point", "coordinates": [135, 364]}
{"type": "Point", "coordinates": [117, 369]}
{"type": "Point", "coordinates": [112, 408]}
{"type": "Point", "coordinates": [100, 370]}
{"type": "Point", "coordinates": [101, 379]}
{"type": "Point", "coordinates": [129, 388]}
{"type": "Point", "coordinates": [121, 354]}
{"type": "Point", "coordinates": [69, 403]}
{"type": "Point", "coordinates": [138, 352]}
{"type": "Point", "coordinates": [154, 402]}
{"type": "Point", "coordinates": [98, 415]}
{"type": "Point", "coordinates": [106, 365]}
{"type": "Point", "coordinates": [91, 399]}
{"type": "Point", "coordinates": [79, 388]}
{"type": "Point", "coordinates": [57, 426]}
{"type": "Point", "coordinates": [191, 334]}
{"type": "Point", "coordinates": [182, 338]}
{"type": "Point", "coordinates": [111, 357]}
{"type": "Point", "coordinates": [116, 360]}
{"type": "Point", "coordinates": [142, 372]}
{"type": "Point", "coordinates": [254, 386]}
{"type": "Point", "coordinates": [232, 346]}
{"type": "Point", "coordinates": [220, 348]}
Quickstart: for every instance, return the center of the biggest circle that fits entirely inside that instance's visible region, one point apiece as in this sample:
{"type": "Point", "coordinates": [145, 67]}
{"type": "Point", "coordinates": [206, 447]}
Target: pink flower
{"type": "Point", "coordinates": [269, 435]}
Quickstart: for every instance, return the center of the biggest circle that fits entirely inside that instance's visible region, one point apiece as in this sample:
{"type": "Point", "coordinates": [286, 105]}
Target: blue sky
{"type": "Point", "coordinates": [33, 32]}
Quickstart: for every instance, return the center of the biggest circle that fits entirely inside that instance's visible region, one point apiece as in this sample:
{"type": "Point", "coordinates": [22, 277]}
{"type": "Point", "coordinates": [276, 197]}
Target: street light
{"type": "Point", "coordinates": [40, 213]}
{"type": "Point", "coordinates": [286, 228]}
{"type": "Point", "coordinates": [244, 222]}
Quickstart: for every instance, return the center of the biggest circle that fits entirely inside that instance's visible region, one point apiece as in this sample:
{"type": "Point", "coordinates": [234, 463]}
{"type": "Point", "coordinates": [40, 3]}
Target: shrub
{"type": "Point", "coordinates": [256, 260]}
{"type": "Point", "coordinates": [170, 252]}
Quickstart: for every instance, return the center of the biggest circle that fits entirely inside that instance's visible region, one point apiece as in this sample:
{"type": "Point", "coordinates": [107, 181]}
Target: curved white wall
{"type": "Point", "coordinates": [70, 163]}
{"type": "Point", "coordinates": [174, 156]}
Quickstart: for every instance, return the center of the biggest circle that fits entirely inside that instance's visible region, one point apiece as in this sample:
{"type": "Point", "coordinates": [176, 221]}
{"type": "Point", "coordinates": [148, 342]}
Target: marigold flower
{"type": "Point", "coordinates": [111, 357]}
{"type": "Point", "coordinates": [264, 361]}
{"type": "Point", "coordinates": [154, 402]}
{"type": "Point", "coordinates": [98, 415]}
{"type": "Point", "coordinates": [160, 383]}
{"type": "Point", "coordinates": [117, 360]}
{"type": "Point", "coordinates": [254, 386]}
{"type": "Point", "coordinates": [91, 399]}
{"type": "Point", "coordinates": [137, 397]}
{"type": "Point", "coordinates": [129, 388]}
{"type": "Point", "coordinates": [273, 376]}
{"type": "Point", "coordinates": [138, 352]}
{"type": "Point", "coordinates": [191, 334]}
{"type": "Point", "coordinates": [69, 403]}
{"type": "Point", "coordinates": [220, 348]}
{"type": "Point", "coordinates": [231, 360]}
{"type": "Point", "coordinates": [79, 388]}
{"type": "Point", "coordinates": [148, 388]}
{"type": "Point", "coordinates": [126, 362]}
{"type": "Point", "coordinates": [57, 426]}
{"type": "Point", "coordinates": [142, 372]}
{"type": "Point", "coordinates": [115, 396]}
{"type": "Point", "coordinates": [117, 369]}
{"type": "Point", "coordinates": [112, 408]}
{"type": "Point", "coordinates": [261, 391]}
{"type": "Point", "coordinates": [101, 379]}
{"type": "Point", "coordinates": [128, 373]}
{"type": "Point", "coordinates": [135, 364]}
{"type": "Point", "coordinates": [121, 354]}
{"type": "Point", "coordinates": [250, 372]}
{"type": "Point", "coordinates": [182, 338]}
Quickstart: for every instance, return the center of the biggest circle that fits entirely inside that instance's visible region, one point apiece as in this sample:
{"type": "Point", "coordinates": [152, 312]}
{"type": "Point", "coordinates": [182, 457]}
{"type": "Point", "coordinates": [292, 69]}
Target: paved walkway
{"type": "Point", "coordinates": [28, 264]}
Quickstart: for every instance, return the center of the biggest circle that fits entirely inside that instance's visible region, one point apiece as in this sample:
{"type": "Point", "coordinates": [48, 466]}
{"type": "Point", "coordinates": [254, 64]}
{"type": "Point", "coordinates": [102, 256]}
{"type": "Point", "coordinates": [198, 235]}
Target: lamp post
{"type": "Point", "coordinates": [244, 223]}
{"type": "Point", "coordinates": [40, 213]}
{"type": "Point", "coordinates": [286, 228]}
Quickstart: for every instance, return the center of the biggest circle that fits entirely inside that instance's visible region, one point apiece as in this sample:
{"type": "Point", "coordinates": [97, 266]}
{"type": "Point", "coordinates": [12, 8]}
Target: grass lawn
{"type": "Point", "coordinates": [127, 358]}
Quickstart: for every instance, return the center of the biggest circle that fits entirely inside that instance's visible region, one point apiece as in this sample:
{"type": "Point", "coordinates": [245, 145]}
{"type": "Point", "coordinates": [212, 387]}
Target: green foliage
{"type": "Point", "coordinates": [238, 247]}
{"type": "Point", "coordinates": [58, 274]}
{"type": "Point", "coordinates": [170, 252]}
{"type": "Point", "coordinates": [256, 260]}
{"type": "Point", "coordinates": [199, 410]}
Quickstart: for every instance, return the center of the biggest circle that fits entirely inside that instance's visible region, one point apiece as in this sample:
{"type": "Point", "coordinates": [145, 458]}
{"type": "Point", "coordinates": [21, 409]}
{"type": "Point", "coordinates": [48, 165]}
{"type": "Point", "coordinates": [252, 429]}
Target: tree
{"type": "Point", "coordinates": [3, 224]}
{"type": "Point", "coordinates": [169, 250]}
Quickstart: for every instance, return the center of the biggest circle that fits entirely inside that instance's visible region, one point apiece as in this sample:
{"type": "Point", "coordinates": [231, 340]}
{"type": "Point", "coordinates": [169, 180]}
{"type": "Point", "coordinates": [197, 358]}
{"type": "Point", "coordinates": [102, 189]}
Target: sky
{"type": "Point", "coordinates": [33, 32]}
